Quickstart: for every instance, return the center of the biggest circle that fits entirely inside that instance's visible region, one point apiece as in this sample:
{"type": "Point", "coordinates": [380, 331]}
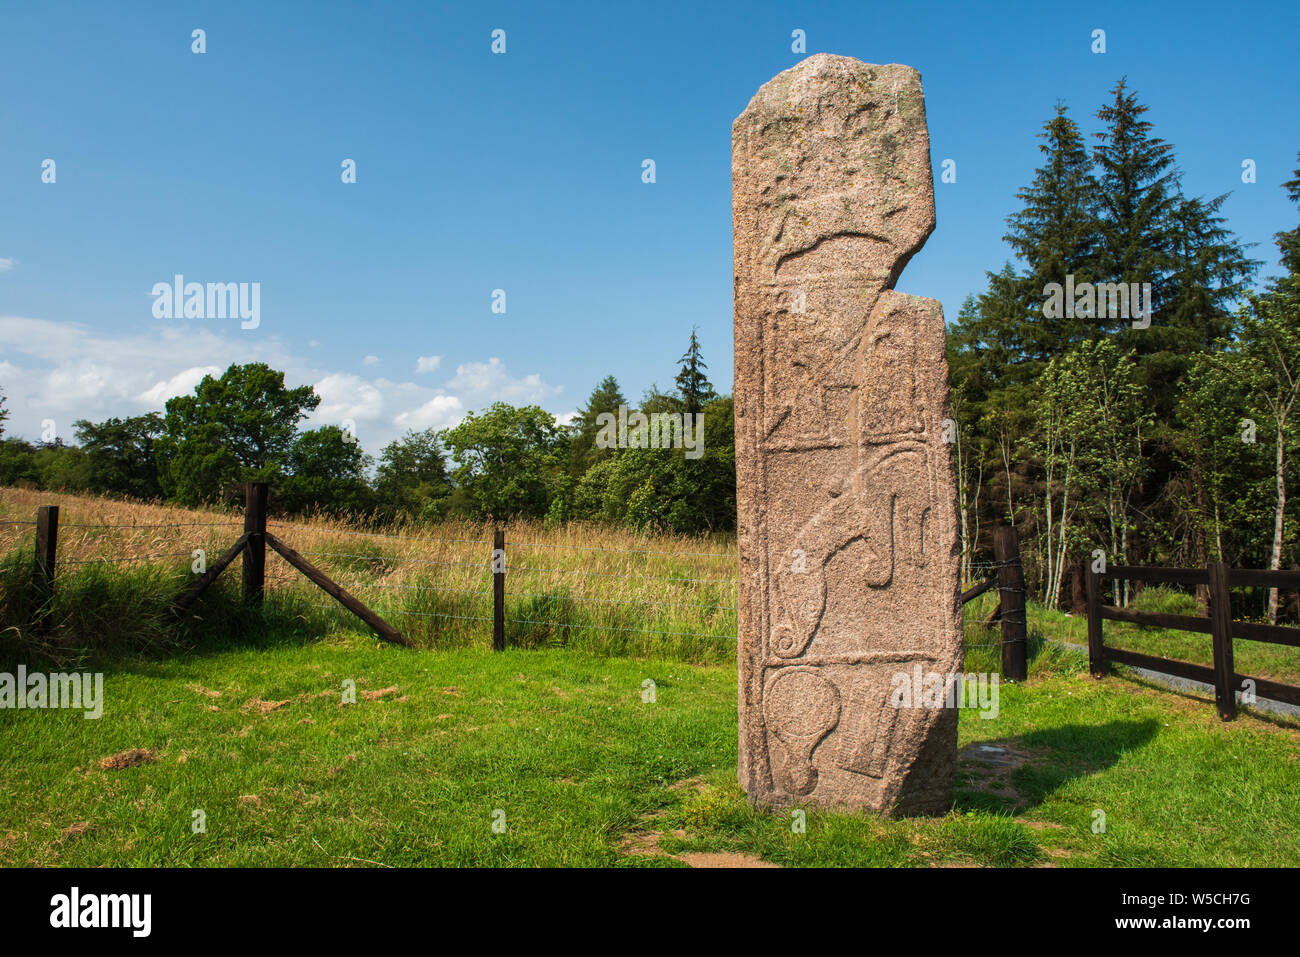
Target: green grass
{"type": "Point", "coordinates": [254, 732]}
{"type": "Point", "coordinates": [564, 746]}
{"type": "Point", "coordinates": [562, 743]}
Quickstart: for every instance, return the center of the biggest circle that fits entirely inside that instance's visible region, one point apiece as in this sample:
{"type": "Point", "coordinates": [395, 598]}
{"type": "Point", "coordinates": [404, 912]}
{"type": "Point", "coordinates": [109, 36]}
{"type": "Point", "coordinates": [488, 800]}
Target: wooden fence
{"type": "Point", "coordinates": [1008, 578]}
{"type": "Point", "coordinates": [1222, 630]}
{"type": "Point", "coordinates": [252, 545]}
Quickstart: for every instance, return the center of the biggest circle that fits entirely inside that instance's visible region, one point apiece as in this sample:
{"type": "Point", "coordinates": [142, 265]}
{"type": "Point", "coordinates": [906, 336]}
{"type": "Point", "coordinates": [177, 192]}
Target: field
{"type": "Point", "coordinates": [606, 591]}
{"type": "Point", "coordinates": [548, 754]}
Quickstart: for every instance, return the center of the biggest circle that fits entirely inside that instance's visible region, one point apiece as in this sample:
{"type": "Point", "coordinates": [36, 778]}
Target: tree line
{"type": "Point", "coordinates": [1166, 439]}
{"type": "Point", "coordinates": [499, 463]}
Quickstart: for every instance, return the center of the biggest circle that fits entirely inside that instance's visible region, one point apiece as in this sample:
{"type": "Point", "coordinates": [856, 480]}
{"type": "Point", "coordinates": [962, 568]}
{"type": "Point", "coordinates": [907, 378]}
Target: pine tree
{"type": "Point", "coordinates": [1055, 233]}
{"type": "Point", "coordinates": [1137, 192]}
{"type": "Point", "coordinates": [692, 384]}
{"type": "Point", "coordinates": [1289, 240]}
{"type": "Point", "coordinates": [606, 397]}
{"type": "Point", "coordinates": [1152, 233]}
{"type": "Point", "coordinates": [1207, 274]}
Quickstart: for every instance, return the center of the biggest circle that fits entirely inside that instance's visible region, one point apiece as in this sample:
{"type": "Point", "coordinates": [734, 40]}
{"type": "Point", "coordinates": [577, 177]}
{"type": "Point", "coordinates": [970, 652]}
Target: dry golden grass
{"type": "Point", "coordinates": [590, 585]}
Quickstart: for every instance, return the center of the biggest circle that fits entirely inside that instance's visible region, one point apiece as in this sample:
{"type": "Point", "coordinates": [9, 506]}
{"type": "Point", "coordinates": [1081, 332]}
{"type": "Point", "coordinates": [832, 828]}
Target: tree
{"type": "Point", "coordinates": [1271, 338]}
{"type": "Point", "coordinates": [1137, 195]}
{"type": "Point", "coordinates": [1222, 494]}
{"type": "Point", "coordinates": [1114, 214]}
{"type": "Point", "coordinates": [412, 477]}
{"type": "Point", "coordinates": [238, 428]}
{"type": "Point", "coordinates": [1271, 342]}
{"type": "Point", "coordinates": [607, 397]}
{"type": "Point", "coordinates": [1056, 411]}
{"type": "Point", "coordinates": [509, 460]}
{"type": "Point", "coordinates": [60, 467]}
{"type": "Point", "coordinates": [1289, 241]}
{"type": "Point", "coordinates": [325, 470]}
{"type": "Point", "coordinates": [4, 414]}
{"type": "Point", "coordinates": [120, 454]}
{"type": "Point", "coordinates": [1055, 234]}
{"type": "Point", "coordinates": [692, 384]}
{"type": "Point", "coordinates": [660, 488]}
{"type": "Point", "coordinates": [1109, 416]}
{"type": "Point", "coordinates": [17, 465]}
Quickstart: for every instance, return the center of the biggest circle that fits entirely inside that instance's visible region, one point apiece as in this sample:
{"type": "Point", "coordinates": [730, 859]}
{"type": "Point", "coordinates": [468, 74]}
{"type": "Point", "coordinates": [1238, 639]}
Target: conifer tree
{"type": "Point", "coordinates": [692, 384]}
{"type": "Point", "coordinates": [1055, 233]}
{"type": "Point", "coordinates": [1137, 192]}
{"type": "Point", "coordinates": [606, 397]}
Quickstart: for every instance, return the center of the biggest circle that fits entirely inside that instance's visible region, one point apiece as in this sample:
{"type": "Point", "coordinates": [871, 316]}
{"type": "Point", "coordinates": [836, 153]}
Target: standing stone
{"type": "Point", "coordinates": [849, 575]}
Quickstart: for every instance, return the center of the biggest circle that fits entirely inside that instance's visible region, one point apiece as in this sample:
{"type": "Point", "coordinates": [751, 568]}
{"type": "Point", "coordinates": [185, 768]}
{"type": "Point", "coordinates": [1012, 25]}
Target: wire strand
{"type": "Point", "coordinates": [642, 631]}
{"type": "Point", "coordinates": [625, 551]}
{"type": "Point", "coordinates": [659, 578]}
{"type": "Point", "coordinates": [162, 525]}
{"type": "Point", "coordinates": [400, 538]}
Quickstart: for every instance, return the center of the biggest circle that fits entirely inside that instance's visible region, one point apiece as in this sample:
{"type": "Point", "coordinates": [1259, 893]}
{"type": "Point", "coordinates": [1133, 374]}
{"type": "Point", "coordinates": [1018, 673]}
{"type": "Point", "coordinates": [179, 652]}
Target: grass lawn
{"type": "Point", "coordinates": [586, 773]}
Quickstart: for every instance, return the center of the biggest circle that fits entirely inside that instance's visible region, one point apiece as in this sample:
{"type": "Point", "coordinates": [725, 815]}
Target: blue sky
{"type": "Point", "coordinates": [519, 172]}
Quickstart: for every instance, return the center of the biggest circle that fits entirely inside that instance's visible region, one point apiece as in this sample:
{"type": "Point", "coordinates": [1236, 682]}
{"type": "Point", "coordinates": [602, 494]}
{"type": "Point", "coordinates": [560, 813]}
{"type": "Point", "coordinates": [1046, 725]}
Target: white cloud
{"type": "Point", "coordinates": [6, 265]}
{"type": "Point", "coordinates": [439, 412]}
{"type": "Point", "coordinates": [566, 419]}
{"type": "Point", "coordinates": [181, 383]}
{"type": "Point", "coordinates": [67, 371]}
{"type": "Point", "coordinates": [346, 396]}
{"type": "Point", "coordinates": [491, 382]}
{"type": "Point", "coordinates": [370, 361]}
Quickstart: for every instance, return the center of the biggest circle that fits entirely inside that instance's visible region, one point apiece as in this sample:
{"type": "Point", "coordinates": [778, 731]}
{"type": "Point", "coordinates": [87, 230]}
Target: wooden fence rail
{"type": "Point", "coordinates": [1220, 579]}
{"type": "Point", "coordinates": [252, 545]}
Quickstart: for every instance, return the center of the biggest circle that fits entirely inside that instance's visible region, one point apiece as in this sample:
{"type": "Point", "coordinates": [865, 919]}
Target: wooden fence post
{"type": "Point", "coordinates": [255, 550]}
{"type": "Point", "coordinates": [1092, 585]}
{"type": "Point", "coordinates": [1221, 634]}
{"type": "Point", "coordinates": [499, 590]}
{"type": "Point", "coordinates": [1078, 593]}
{"type": "Point", "coordinates": [1011, 586]}
{"type": "Point", "coordinates": [47, 542]}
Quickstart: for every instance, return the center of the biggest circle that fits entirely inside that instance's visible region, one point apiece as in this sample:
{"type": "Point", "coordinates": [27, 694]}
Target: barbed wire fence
{"type": "Point", "coordinates": [558, 589]}
{"type": "Point", "coordinates": [452, 587]}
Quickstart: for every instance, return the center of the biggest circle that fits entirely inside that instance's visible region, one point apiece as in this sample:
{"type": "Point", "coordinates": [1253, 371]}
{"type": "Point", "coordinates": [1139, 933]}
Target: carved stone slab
{"type": "Point", "coordinates": [849, 569]}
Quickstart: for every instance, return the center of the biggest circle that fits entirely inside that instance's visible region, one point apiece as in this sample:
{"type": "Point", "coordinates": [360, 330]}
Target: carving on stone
{"type": "Point", "coordinates": [802, 708]}
{"type": "Point", "coordinates": [841, 389]}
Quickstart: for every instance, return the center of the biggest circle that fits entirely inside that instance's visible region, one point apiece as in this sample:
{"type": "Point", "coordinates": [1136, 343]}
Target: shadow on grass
{"type": "Point", "coordinates": [1019, 772]}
